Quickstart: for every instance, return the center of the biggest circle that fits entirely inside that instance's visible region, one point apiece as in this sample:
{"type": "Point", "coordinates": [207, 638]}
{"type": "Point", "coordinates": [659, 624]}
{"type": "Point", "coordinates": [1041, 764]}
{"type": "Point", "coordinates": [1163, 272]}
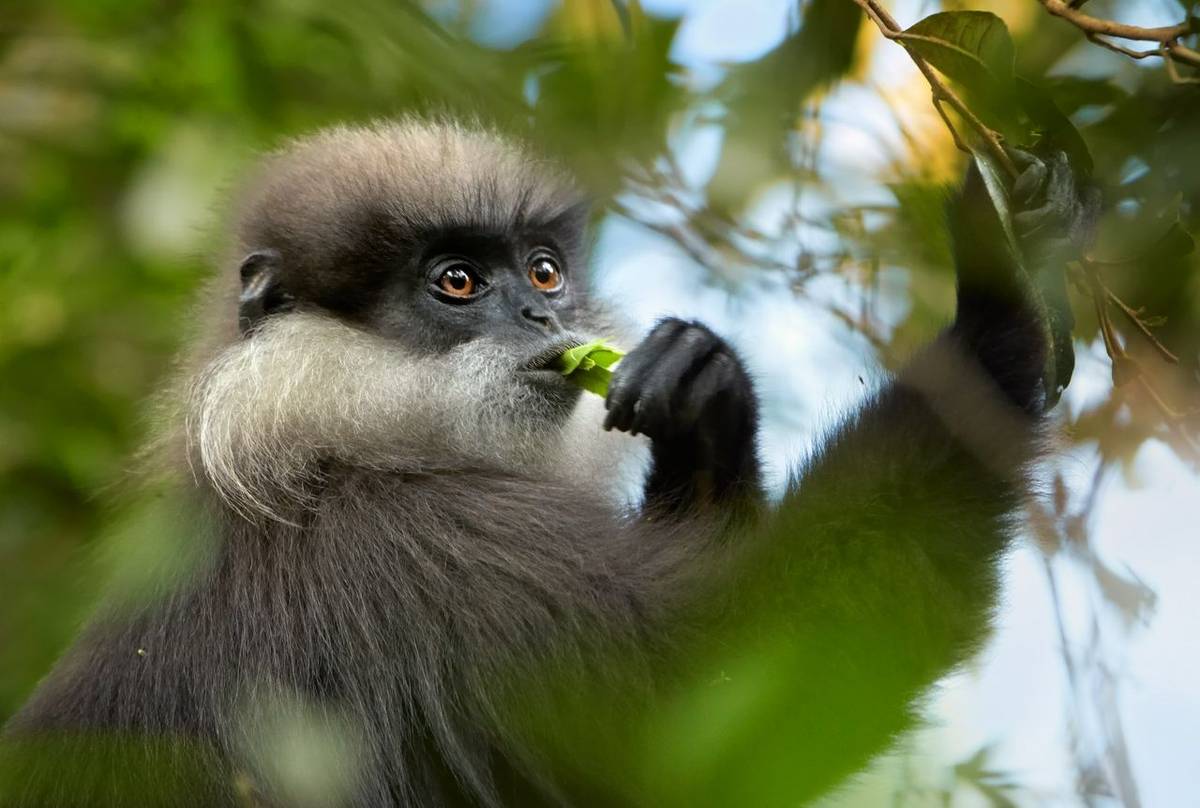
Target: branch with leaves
{"type": "Point", "coordinates": [967, 58]}
{"type": "Point", "coordinates": [942, 93]}
{"type": "Point", "coordinates": [1168, 38]}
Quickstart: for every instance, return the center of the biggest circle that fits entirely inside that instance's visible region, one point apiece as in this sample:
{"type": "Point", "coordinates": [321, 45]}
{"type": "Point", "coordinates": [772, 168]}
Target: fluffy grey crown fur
{"type": "Point", "coordinates": [426, 174]}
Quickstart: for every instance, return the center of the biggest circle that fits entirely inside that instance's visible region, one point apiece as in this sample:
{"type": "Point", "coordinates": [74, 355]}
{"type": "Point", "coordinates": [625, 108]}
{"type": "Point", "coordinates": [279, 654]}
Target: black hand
{"type": "Point", "coordinates": [1049, 204]}
{"type": "Point", "coordinates": [999, 319]}
{"type": "Point", "coordinates": [686, 389]}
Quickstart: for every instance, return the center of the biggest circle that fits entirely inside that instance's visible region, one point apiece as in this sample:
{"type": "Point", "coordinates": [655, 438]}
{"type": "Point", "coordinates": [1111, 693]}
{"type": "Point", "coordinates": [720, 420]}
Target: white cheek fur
{"type": "Point", "coordinates": [306, 388]}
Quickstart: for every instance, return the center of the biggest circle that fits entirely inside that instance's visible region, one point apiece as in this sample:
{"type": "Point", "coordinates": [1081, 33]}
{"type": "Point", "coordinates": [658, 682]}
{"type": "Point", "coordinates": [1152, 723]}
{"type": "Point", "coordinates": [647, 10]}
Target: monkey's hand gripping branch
{"type": "Point", "coordinates": [1013, 242]}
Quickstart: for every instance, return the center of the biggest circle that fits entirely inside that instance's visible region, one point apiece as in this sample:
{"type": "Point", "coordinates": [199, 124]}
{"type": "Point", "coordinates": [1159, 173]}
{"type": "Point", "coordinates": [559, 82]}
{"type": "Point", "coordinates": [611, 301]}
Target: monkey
{"type": "Point", "coordinates": [408, 527]}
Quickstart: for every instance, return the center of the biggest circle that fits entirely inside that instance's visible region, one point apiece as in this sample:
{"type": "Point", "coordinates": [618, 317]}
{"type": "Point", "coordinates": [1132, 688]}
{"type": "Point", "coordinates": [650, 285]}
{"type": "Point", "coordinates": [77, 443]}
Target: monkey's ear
{"type": "Point", "coordinates": [262, 289]}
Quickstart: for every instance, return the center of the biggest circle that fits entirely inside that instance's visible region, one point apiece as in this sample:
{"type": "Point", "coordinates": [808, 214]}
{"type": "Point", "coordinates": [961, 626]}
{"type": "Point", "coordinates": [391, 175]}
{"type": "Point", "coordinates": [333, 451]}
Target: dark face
{"type": "Point", "coordinates": [518, 288]}
{"type": "Point", "coordinates": [431, 291]}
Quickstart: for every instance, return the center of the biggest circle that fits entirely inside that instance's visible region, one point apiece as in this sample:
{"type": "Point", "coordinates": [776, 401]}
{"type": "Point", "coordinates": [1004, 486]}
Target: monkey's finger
{"type": "Point", "coordinates": [672, 374]}
{"type": "Point", "coordinates": [1022, 158]}
{"type": "Point", "coordinates": [1029, 183]}
{"type": "Point", "coordinates": [1031, 222]}
{"type": "Point", "coordinates": [1058, 209]}
{"type": "Point", "coordinates": [625, 387]}
{"type": "Point", "coordinates": [711, 390]}
{"type": "Point", "coordinates": [1060, 190]}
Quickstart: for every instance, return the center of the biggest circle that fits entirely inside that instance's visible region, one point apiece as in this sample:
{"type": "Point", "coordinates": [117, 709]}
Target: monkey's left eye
{"type": "Point", "coordinates": [458, 281]}
{"type": "Point", "coordinates": [544, 273]}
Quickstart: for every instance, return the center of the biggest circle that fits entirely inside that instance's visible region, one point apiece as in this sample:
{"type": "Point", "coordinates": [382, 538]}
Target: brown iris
{"type": "Point", "coordinates": [457, 282]}
{"type": "Point", "coordinates": [544, 274]}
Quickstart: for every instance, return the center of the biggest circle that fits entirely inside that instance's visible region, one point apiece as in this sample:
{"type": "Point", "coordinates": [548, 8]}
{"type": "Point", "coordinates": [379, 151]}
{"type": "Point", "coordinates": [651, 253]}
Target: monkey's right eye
{"type": "Point", "coordinates": [458, 281]}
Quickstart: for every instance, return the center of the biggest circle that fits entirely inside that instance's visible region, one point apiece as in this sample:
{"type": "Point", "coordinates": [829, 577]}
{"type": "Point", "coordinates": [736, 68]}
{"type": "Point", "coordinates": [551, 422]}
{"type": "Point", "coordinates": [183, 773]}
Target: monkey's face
{"type": "Point", "coordinates": [431, 237]}
{"type": "Point", "coordinates": [518, 291]}
{"type": "Point", "coordinates": [511, 296]}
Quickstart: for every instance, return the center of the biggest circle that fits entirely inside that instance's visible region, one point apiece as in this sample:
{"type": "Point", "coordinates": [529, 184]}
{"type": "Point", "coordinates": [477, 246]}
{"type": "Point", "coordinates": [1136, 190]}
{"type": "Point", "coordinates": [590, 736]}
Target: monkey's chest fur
{"type": "Point", "coordinates": [406, 609]}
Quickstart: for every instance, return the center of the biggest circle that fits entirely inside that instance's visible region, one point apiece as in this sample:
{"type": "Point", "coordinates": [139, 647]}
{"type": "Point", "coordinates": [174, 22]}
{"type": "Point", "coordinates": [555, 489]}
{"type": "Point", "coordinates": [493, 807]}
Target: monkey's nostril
{"type": "Point", "coordinates": [544, 318]}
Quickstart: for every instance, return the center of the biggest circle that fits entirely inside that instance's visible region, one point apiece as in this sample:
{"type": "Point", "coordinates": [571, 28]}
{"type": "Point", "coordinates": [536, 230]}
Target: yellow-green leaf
{"type": "Point", "coordinates": [588, 365]}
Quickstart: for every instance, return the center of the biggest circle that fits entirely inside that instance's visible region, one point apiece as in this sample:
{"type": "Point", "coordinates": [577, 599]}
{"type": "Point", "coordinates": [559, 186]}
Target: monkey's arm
{"type": "Point", "coordinates": [686, 389]}
{"type": "Point", "coordinates": [875, 577]}
{"type": "Point", "coordinates": [877, 573]}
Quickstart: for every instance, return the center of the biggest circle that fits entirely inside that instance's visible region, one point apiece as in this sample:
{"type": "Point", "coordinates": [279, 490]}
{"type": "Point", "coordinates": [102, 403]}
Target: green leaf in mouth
{"type": "Point", "coordinates": [589, 365]}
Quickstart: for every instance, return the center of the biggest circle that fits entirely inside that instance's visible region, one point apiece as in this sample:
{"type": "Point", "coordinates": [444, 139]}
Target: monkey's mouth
{"type": "Point", "coordinates": [545, 358]}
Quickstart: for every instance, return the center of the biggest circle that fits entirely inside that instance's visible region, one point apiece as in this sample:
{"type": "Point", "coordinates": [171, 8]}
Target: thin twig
{"type": "Point", "coordinates": [958, 144]}
{"type": "Point", "coordinates": [1183, 53]}
{"type": "Point", "coordinates": [1140, 325]}
{"type": "Point", "coordinates": [1093, 285]}
{"type": "Point", "coordinates": [1096, 39]}
{"type": "Point", "coordinates": [1125, 367]}
{"type": "Point", "coordinates": [1173, 71]}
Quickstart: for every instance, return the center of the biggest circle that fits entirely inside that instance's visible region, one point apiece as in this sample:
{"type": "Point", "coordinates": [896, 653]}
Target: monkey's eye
{"type": "Point", "coordinates": [544, 273]}
{"type": "Point", "coordinates": [458, 281]}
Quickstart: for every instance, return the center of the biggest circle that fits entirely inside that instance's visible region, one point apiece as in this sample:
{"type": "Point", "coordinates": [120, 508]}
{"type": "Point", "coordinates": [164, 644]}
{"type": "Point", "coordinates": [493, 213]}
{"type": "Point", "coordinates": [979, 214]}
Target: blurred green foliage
{"type": "Point", "coordinates": [123, 121]}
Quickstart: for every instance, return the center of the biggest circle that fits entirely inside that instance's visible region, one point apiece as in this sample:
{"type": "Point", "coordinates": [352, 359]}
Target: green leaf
{"type": "Point", "coordinates": [1171, 245]}
{"type": "Point", "coordinates": [1057, 131]}
{"type": "Point", "coordinates": [974, 50]}
{"type": "Point", "coordinates": [964, 44]}
{"type": "Point", "coordinates": [996, 182]}
{"type": "Point", "coordinates": [588, 365]}
{"type": "Point", "coordinates": [1072, 93]}
{"type": "Point", "coordinates": [763, 98]}
{"type": "Point", "coordinates": [1146, 243]}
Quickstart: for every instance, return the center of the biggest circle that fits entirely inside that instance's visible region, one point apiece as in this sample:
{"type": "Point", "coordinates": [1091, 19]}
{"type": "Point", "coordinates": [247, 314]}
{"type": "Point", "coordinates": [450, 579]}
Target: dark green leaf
{"type": "Point", "coordinates": [1056, 130]}
{"type": "Point", "coordinates": [1175, 243]}
{"type": "Point", "coordinates": [1071, 93]}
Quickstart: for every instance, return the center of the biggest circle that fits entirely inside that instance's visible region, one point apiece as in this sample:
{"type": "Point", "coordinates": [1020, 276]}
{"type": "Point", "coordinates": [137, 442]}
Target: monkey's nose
{"type": "Point", "coordinates": [542, 317]}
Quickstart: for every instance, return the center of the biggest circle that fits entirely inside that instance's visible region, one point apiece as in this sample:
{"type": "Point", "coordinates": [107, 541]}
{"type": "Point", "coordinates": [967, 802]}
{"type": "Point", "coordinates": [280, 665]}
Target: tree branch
{"type": "Point", "coordinates": [1167, 37]}
{"type": "Point", "coordinates": [1095, 25]}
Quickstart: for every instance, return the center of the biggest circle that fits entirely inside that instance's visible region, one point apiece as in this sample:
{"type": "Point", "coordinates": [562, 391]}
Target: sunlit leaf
{"type": "Point", "coordinates": [964, 45]}
{"type": "Point", "coordinates": [974, 50]}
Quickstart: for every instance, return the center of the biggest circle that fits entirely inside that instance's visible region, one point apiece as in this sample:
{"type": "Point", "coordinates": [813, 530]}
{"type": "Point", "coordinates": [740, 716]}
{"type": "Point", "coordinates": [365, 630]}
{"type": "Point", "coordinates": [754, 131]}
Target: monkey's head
{"type": "Point", "coordinates": [394, 286]}
{"type": "Point", "coordinates": [430, 235]}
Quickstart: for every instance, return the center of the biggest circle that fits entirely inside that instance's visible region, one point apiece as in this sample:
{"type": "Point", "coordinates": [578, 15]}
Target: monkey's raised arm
{"type": "Point", "coordinates": [877, 573]}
